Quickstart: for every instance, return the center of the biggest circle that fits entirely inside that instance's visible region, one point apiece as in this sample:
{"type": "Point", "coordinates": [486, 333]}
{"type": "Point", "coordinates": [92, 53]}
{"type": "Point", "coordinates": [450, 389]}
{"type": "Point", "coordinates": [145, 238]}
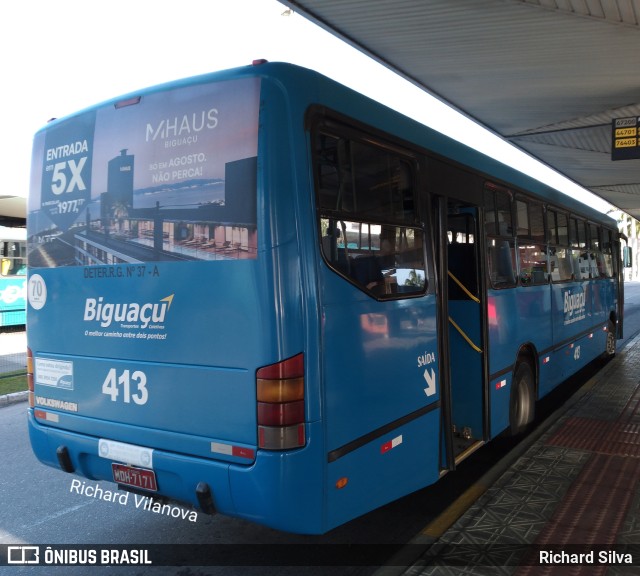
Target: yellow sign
{"type": "Point", "coordinates": [626, 132]}
{"type": "Point", "coordinates": [625, 138]}
{"type": "Point", "coordinates": [626, 143]}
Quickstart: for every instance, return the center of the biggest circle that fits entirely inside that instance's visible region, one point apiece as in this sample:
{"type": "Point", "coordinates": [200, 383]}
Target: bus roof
{"type": "Point", "coordinates": [308, 83]}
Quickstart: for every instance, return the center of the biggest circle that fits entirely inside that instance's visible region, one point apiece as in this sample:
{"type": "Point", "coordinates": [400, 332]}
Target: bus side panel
{"type": "Point", "coordinates": [551, 371]}
{"type": "Point", "coordinates": [578, 353]}
{"type": "Point", "coordinates": [581, 313]}
{"type": "Point", "coordinates": [554, 364]}
{"type": "Point", "coordinates": [380, 366]}
{"type": "Point", "coordinates": [499, 390]}
{"type": "Point", "coordinates": [397, 463]}
{"type": "Point", "coordinates": [572, 310]}
{"type": "Point", "coordinates": [284, 490]}
{"type": "Point", "coordinates": [604, 299]}
{"type": "Point", "coordinates": [516, 317]}
{"type": "Point", "coordinates": [579, 317]}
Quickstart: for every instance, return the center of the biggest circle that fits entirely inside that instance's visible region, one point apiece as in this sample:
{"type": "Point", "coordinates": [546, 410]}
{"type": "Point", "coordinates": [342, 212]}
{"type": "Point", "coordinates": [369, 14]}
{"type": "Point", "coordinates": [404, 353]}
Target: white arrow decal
{"type": "Point", "coordinates": [430, 378]}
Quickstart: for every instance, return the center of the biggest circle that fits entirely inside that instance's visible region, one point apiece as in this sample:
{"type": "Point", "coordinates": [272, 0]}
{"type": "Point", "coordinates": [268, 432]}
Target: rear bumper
{"type": "Point", "coordinates": [282, 490]}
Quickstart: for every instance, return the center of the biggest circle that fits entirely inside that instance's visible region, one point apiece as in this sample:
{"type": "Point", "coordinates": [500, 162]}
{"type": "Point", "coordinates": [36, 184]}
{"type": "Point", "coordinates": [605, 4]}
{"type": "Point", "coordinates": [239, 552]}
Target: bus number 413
{"type": "Point", "coordinates": [112, 384]}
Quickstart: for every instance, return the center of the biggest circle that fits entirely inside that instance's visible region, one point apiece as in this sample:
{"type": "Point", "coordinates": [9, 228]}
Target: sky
{"type": "Point", "coordinates": [60, 56]}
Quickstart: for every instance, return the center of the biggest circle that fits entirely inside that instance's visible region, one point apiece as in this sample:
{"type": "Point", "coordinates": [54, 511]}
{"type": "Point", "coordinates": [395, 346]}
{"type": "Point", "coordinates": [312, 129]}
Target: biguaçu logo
{"type": "Point", "coordinates": [140, 315]}
{"type": "Point", "coordinates": [575, 305]}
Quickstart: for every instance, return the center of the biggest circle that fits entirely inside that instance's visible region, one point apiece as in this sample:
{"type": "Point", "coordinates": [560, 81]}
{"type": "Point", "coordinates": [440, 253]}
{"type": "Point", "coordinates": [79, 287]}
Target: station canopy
{"type": "Point", "coordinates": [549, 76]}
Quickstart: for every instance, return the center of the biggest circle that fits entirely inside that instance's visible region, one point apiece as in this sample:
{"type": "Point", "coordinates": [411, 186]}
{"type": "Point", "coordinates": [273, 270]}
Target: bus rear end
{"type": "Point", "coordinates": [156, 357]}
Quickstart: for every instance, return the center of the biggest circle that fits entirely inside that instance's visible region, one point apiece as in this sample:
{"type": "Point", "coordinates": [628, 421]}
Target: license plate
{"type": "Point", "coordinates": [136, 477]}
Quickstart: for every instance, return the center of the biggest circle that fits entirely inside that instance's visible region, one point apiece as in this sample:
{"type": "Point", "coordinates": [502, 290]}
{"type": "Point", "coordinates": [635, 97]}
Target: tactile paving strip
{"type": "Point", "coordinates": [591, 513]}
{"type": "Point", "coordinates": [620, 437]}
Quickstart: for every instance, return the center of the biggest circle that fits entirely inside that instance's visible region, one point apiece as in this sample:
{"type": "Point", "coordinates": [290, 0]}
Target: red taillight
{"type": "Point", "coordinates": [280, 394]}
{"type": "Point", "coordinates": [280, 414]}
{"type": "Point", "coordinates": [32, 402]}
{"type": "Point", "coordinates": [291, 368]}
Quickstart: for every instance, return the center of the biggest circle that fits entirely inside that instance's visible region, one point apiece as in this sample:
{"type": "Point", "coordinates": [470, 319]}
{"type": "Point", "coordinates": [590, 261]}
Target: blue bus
{"type": "Point", "coordinates": [13, 276]}
{"type": "Point", "coordinates": [284, 302]}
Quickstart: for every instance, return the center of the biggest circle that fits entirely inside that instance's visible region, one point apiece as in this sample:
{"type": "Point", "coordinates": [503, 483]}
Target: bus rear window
{"type": "Point", "coordinates": [170, 176]}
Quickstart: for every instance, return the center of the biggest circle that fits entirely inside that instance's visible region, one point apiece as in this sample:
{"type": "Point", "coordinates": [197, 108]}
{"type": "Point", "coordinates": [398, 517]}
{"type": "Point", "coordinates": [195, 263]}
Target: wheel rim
{"type": "Point", "coordinates": [523, 407]}
{"type": "Point", "coordinates": [522, 401]}
{"type": "Point", "coordinates": [611, 343]}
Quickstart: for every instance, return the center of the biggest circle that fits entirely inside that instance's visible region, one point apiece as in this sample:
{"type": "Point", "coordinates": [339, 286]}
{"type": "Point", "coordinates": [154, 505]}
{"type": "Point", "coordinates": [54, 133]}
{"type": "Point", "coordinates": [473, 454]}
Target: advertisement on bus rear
{"type": "Point", "coordinates": [168, 175]}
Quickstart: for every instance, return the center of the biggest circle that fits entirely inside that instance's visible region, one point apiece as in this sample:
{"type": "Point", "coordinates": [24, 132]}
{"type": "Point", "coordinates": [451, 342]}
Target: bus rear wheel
{"type": "Point", "coordinates": [522, 401]}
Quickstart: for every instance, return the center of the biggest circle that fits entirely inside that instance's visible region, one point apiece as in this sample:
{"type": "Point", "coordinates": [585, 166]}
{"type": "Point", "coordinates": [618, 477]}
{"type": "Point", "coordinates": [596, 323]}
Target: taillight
{"type": "Point", "coordinates": [30, 378]}
{"type": "Point", "coordinates": [281, 404]}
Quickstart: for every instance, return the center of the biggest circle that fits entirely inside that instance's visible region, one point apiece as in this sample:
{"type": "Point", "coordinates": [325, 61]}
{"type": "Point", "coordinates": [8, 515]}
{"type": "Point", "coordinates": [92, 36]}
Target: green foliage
{"type": "Point", "coordinates": [13, 382]}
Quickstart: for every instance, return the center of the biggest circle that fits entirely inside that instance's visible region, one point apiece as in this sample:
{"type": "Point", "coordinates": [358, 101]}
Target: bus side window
{"type": "Point", "coordinates": [383, 260]}
{"type": "Point", "coordinates": [369, 226]}
{"type": "Point", "coordinates": [561, 265]}
{"type": "Point", "coordinates": [501, 262]}
{"type": "Point", "coordinates": [498, 214]}
{"type": "Point", "coordinates": [560, 255]}
{"type": "Point", "coordinates": [532, 253]}
{"type": "Point", "coordinates": [532, 260]}
{"type": "Point", "coordinates": [579, 254]}
{"type": "Point", "coordinates": [332, 246]}
{"type": "Point", "coordinates": [498, 223]}
{"type": "Point", "coordinates": [607, 254]}
{"type": "Point", "coordinates": [598, 269]}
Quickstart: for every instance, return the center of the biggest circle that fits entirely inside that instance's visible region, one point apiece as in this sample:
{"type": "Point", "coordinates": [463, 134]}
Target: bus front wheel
{"type": "Point", "coordinates": [522, 402]}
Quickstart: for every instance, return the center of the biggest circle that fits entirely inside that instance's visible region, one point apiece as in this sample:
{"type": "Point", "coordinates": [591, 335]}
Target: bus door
{"type": "Point", "coordinates": [465, 426]}
{"type": "Point", "coordinates": [621, 266]}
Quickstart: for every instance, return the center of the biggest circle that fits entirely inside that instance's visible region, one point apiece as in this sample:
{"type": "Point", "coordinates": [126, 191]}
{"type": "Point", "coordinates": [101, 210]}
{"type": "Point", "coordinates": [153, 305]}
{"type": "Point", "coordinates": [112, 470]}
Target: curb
{"type": "Point", "coordinates": [13, 398]}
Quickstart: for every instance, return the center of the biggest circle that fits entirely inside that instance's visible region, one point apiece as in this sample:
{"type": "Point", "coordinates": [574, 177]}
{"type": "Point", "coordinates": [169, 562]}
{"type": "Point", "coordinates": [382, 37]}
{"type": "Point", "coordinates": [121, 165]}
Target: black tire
{"type": "Point", "coordinates": [610, 346]}
{"type": "Point", "coordinates": [522, 401]}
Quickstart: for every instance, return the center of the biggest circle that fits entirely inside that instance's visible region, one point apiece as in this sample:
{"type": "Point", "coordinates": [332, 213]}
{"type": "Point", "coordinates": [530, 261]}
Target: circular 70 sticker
{"type": "Point", "coordinates": [37, 291]}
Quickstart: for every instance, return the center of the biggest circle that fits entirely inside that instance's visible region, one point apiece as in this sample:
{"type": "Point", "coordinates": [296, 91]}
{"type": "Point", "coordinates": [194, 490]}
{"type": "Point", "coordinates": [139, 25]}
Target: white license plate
{"type": "Point", "coordinates": [137, 456]}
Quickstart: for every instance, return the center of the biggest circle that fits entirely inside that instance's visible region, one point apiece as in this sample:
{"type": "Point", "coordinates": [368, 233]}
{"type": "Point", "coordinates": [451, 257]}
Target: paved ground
{"type": "Point", "coordinates": [576, 489]}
